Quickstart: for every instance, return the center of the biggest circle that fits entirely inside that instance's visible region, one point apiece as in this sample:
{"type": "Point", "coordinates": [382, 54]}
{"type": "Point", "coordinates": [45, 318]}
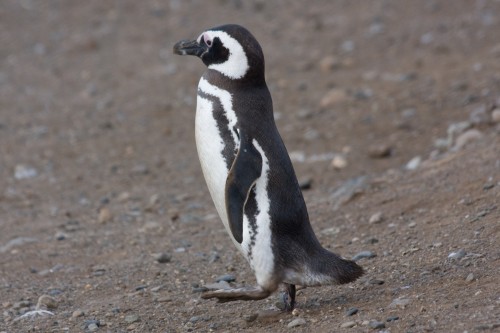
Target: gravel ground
{"type": "Point", "coordinates": [390, 111]}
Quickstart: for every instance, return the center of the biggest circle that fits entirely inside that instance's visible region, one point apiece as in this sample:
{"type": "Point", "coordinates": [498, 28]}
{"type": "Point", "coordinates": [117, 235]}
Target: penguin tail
{"type": "Point", "coordinates": [348, 271]}
{"type": "Point", "coordinates": [340, 270]}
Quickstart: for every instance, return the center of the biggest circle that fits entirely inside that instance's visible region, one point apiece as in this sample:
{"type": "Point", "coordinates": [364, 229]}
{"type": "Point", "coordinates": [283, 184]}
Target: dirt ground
{"type": "Point", "coordinates": [389, 109]}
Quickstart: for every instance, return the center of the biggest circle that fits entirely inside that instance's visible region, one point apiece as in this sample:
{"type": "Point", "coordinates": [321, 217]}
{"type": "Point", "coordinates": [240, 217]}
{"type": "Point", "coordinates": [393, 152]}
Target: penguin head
{"type": "Point", "coordinates": [228, 49]}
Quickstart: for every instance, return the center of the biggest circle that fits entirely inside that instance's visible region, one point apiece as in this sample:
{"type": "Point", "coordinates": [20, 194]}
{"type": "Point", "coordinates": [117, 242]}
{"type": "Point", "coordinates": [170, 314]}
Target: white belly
{"type": "Point", "coordinates": [210, 145]}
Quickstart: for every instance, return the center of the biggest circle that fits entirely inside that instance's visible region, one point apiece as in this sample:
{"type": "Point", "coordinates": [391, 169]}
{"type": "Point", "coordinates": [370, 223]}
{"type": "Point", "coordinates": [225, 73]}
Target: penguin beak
{"type": "Point", "coordinates": [190, 47]}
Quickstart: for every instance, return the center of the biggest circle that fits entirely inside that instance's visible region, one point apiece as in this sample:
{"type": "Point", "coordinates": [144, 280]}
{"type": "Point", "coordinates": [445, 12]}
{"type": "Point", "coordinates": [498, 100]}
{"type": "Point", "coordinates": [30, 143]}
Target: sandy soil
{"type": "Point", "coordinates": [389, 109]}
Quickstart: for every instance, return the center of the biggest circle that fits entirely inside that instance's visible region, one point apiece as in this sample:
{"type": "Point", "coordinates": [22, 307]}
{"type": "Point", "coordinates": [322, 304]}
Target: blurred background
{"type": "Point", "coordinates": [98, 165]}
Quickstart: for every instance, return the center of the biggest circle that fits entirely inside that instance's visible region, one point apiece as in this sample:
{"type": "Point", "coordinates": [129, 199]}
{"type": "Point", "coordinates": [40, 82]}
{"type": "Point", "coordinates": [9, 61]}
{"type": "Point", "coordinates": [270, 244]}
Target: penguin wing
{"type": "Point", "coordinates": [244, 172]}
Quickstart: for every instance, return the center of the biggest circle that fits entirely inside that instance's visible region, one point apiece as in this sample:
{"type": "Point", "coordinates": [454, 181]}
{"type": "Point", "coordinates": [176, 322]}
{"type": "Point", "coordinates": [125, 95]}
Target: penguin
{"type": "Point", "coordinates": [249, 173]}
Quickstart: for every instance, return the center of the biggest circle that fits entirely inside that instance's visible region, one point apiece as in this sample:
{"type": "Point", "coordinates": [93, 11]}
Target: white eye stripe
{"type": "Point", "coordinates": [236, 66]}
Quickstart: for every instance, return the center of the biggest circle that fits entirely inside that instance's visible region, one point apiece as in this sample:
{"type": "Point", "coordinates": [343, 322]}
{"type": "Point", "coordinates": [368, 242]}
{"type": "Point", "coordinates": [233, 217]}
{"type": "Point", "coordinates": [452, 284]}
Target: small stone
{"type": "Point", "coordinates": [163, 257]}
{"type": "Point", "coordinates": [479, 115]}
{"type": "Point", "coordinates": [131, 318]}
{"type": "Point", "coordinates": [333, 97]}
{"type": "Point", "coordinates": [226, 277]}
{"type": "Point", "coordinates": [305, 184]}
{"type": "Point", "coordinates": [104, 215]}
{"type": "Point", "coordinates": [457, 255]}
{"type": "Point", "coordinates": [456, 129]}
{"type": "Point", "coordinates": [347, 46]}
{"type": "Point", "coordinates": [131, 327]}
{"type": "Point", "coordinates": [195, 319]}
{"type": "Point", "coordinates": [329, 63]}
{"type": "Point", "coordinates": [296, 322]}
{"type": "Point", "coordinates": [376, 218]}
{"type": "Point", "coordinates": [77, 314]}
{"type": "Point", "coordinates": [339, 162]}
{"type": "Point", "coordinates": [392, 318]}
{"type": "Point", "coordinates": [348, 324]}
{"type": "Point", "coordinates": [351, 312]}
{"type": "Point", "coordinates": [469, 277]}
{"type": "Point", "coordinates": [495, 116]}
{"type": "Point", "coordinates": [414, 163]}
{"type": "Point", "coordinates": [92, 322]}
{"type": "Point", "coordinates": [92, 327]}
{"type": "Point", "coordinates": [376, 282]}
{"type": "Point", "coordinates": [140, 169]}
{"type": "Point", "coordinates": [153, 202]}
{"type": "Point", "coordinates": [380, 150]}
{"type": "Point", "coordinates": [60, 236]}
{"type": "Point", "coordinates": [47, 302]}
{"type": "Point", "coordinates": [251, 317]}
{"type": "Point", "coordinates": [375, 324]}
{"type": "Point", "coordinates": [364, 255]}
{"type": "Point", "coordinates": [466, 138]}
{"type": "Point", "coordinates": [24, 172]}
{"type": "Point", "coordinates": [427, 38]}
{"type": "Point", "coordinates": [400, 302]}
{"type": "Point", "coordinates": [217, 286]}
{"type": "Point", "coordinates": [295, 312]}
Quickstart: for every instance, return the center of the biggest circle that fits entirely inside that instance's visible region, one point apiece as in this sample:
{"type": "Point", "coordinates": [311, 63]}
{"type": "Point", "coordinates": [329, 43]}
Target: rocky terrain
{"type": "Point", "coordinates": [390, 111]}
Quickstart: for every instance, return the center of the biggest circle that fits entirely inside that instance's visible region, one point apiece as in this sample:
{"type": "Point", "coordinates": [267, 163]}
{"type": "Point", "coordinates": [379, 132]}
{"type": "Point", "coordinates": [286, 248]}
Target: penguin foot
{"type": "Point", "coordinates": [237, 294]}
{"type": "Point", "coordinates": [288, 297]}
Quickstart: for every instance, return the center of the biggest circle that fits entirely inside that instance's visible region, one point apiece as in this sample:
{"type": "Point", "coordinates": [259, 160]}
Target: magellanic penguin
{"type": "Point", "coordinates": [249, 173]}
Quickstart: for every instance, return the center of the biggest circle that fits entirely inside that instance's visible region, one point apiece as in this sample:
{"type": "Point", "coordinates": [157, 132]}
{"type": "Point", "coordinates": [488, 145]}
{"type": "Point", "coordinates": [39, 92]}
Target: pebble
{"type": "Point", "coordinates": [214, 256]}
{"type": "Point", "coordinates": [46, 301]}
{"type": "Point", "coordinates": [392, 318]}
{"type": "Point", "coordinates": [104, 215]}
{"type": "Point", "coordinates": [414, 163]}
{"type": "Point", "coordinates": [60, 236]}
{"type": "Point", "coordinates": [78, 313]}
{"type": "Point", "coordinates": [427, 38]}
{"type": "Point", "coordinates": [457, 255]}
{"type": "Point", "coordinates": [348, 324]}
{"type": "Point", "coordinates": [90, 322]}
{"type": "Point", "coordinates": [375, 324]}
{"type": "Point", "coordinates": [379, 151]}
{"type": "Point", "coordinates": [339, 162]}
{"type": "Point", "coordinates": [131, 318]}
{"type": "Point", "coordinates": [19, 241]}
{"type": "Point", "coordinates": [348, 190]}
{"type": "Point", "coordinates": [457, 128]}
{"type": "Point", "coordinates": [351, 312]}
{"type": "Point", "coordinates": [333, 97]}
{"type": "Point", "coordinates": [296, 322]}
{"type": "Point", "coordinates": [400, 302]}
{"type": "Point", "coordinates": [226, 277]}
{"type": "Point", "coordinates": [329, 63]}
{"type": "Point", "coordinates": [217, 286]}
{"type": "Point", "coordinates": [479, 115]}
{"type": "Point", "coordinates": [305, 184]}
{"type": "Point", "coordinates": [251, 317]}
{"type": "Point", "coordinates": [376, 282]}
{"type": "Point", "coordinates": [347, 46]}
{"type": "Point", "coordinates": [92, 327]}
{"type": "Point", "coordinates": [163, 257]}
{"type": "Point", "coordinates": [364, 255]}
{"type": "Point", "coordinates": [22, 171]}
{"type": "Point", "coordinates": [195, 319]}
{"type": "Point", "coordinates": [495, 116]}
{"type": "Point", "coordinates": [469, 277]}
{"type": "Point", "coordinates": [466, 138]}
{"type": "Point", "coordinates": [376, 218]}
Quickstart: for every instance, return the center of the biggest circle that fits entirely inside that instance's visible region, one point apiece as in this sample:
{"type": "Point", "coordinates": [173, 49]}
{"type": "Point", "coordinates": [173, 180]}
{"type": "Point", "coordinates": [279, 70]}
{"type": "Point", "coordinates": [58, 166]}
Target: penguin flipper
{"type": "Point", "coordinates": [244, 172]}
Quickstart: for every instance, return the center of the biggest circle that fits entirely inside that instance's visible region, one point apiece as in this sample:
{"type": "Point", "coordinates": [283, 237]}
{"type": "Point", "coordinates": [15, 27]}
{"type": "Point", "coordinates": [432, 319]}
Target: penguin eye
{"type": "Point", "coordinates": [207, 40]}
